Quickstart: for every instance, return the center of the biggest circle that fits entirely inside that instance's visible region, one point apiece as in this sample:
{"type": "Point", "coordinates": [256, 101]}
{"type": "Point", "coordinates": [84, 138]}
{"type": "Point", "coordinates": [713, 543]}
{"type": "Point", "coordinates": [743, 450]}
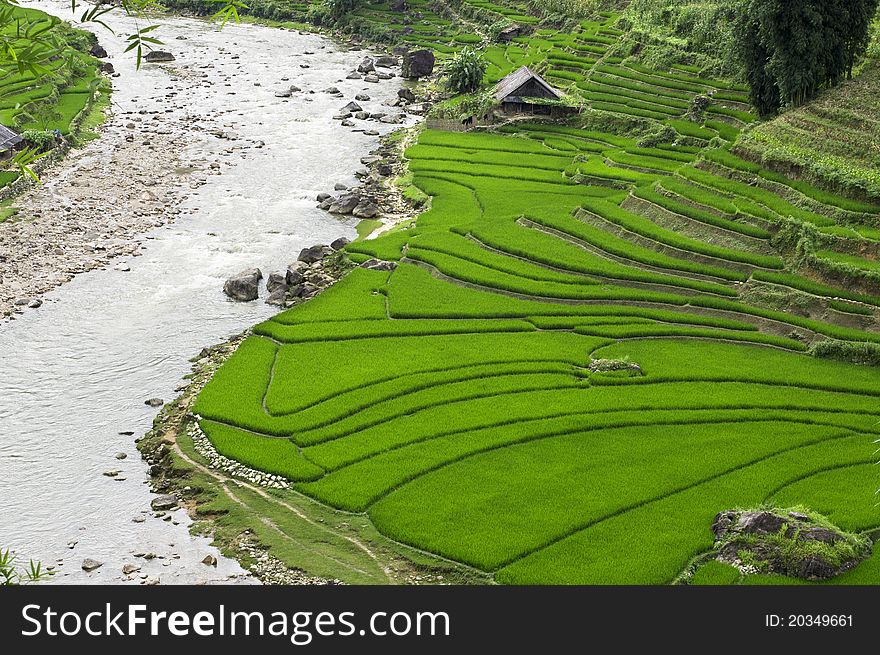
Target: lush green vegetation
{"type": "Point", "coordinates": [47, 79]}
{"type": "Point", "coordinates": [457, 402]}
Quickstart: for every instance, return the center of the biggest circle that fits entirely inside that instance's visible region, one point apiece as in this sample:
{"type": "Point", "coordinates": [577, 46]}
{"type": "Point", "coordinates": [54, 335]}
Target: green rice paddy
{"type": "Point", "coordinates": [452, 400]}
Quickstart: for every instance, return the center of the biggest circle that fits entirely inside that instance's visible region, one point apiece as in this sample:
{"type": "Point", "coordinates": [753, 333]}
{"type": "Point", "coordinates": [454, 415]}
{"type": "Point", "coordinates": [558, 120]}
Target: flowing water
{"type": "Point", "coordinates": [74, 373]}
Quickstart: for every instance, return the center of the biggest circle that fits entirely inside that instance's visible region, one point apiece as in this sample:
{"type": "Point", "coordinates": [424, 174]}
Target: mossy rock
{"type": "Point", "coordinates": [795, 542]}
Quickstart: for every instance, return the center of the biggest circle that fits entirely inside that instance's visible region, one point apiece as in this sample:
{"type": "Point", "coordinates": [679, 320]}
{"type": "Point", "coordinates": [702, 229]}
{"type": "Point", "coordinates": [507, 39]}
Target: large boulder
{"type": "Point", "coordinates": [785, 542]}
{"type": "Point", "coordinates": [367, 65]}
{"type": "Point", "coordinates": [385, 61]}
{"type": "Point", "coordinates": [276, 281]}
{"type": "Point", "coordinates": [158, 56]}
{"type": "Point", "coordinates": [418, 63]}
{"type": "Point", "coordinates": [245, 286]}
{"type": "Point", "coordinates": [366, 209]}
{"type": "Point", "coordinates": [345, 204]}
{"type": "Point", "coordinates": [406, 94]}
{"type": "Point", "coordinates": [314, 254]}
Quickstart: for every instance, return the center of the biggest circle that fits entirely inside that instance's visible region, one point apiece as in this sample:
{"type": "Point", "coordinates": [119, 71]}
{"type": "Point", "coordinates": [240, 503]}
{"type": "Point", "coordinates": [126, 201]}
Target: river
{"type": "Point", "coordinates": [76, 371]}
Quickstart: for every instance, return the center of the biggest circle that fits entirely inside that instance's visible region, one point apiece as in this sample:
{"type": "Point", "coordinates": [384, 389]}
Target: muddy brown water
{"type": "Point", "coordinates": [75, 372]}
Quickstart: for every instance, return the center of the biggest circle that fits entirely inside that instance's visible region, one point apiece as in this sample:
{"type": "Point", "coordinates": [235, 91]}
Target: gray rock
{"type": "Point", "coordinates": [331, 89]}
{"type": "Point", "coordinates": [339, 186]}
{"type": "Point", "coordinates": [158, 56]}
{"type": "Point", "coordinates": [354, 75]}
{"type": "Point", "coordinates": [345, 204]}
{"type": "Point", "coordinates": [283, 93]}
{"type": "Point", "coordinates": [276, 281]}
{"type": "Point", "coordinates": [163, 502]}
{"type": "Point", "coordinates": [35, 303]}
{"type": "Point", "coordinates": [365, 210]}
{"type": "Point", "coordinates": [294, 275]}
{"type": "Point", "coordinates": [154, 402]}
{"type": "Point", "coordinates": [321, 197]}
{"type": "Point", "coordinates": [244, 286]}
{"type": "Point", "coordinates": [98, 51]}
{"type": "Point", "coordinates": [340, 243]}
{"type": "Point", "coordinates": [313, 253]}
{"type": "Point", "coordinates": [418, 63]}
{"type": "Point", "coordinates": [366, 65]}
{"type": "Point", "coordinates": [362, 115]}
{"type": "Point", "coordinates": [351, 108]}
{"type": "Point", "coordinates": [406, 94]}
{"type": "Point", "coordinates": [385, 61]}
{"type": "Point", "coordinates": [372, 79]}
{"type": "Point", "coordinates": [90, 564]}
{"type": "Point", "coordinates": [362, 97]}
{"type": "Point", "coordinates": [128, 569]}
{"type": "Point", "coordinates": [210, 560]}
{"type": "Point", "coordinates": [277, 297]}
{"type": "Point", "coordinates": [347, 123]}
{"type": "Point", "coordinates": [121, 455]}
{"type": "Point", "coordinates": [341, 117]}
{"type": "Point", "coordinates": [379, 265]}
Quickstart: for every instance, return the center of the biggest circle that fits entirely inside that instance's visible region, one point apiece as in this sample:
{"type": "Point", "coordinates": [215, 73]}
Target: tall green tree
{"type": "Point", "coordinates": [791, 50]}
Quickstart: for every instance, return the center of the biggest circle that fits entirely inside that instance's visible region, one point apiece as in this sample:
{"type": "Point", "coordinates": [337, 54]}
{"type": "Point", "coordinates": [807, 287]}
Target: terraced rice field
{"type": "Point", "coordinates": [453, 400]}
{"type": "Point", "coordinates": [50, 101]}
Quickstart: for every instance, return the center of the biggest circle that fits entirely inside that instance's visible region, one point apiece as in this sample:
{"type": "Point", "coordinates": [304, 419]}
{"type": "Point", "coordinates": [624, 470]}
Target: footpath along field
{"type": "Point", "coordinates": [574, 365]}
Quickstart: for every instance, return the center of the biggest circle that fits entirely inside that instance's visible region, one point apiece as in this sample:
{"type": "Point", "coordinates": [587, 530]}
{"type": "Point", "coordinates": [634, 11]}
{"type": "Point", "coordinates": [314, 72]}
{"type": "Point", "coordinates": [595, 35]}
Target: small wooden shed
{"type": "Point", "coordinates": [9, 141]}
{"type": "Point", "coordinates": [523, 91]}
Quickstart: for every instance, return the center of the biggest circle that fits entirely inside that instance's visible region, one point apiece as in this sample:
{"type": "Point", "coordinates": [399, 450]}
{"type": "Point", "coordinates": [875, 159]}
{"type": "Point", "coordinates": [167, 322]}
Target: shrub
{"type": "Point", "coordinates": [464, 72]}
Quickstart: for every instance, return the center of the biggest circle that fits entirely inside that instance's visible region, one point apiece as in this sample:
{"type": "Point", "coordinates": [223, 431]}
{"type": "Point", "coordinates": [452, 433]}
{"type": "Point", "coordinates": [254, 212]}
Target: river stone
{"type": "Point", "coordinates": [354, 75]}
{"type": "Point", "coordinates": [406, 94]}
{"type": "Point", "coordinates": [362, 97]}
{"type": "Point", "coordinates": [128, 569]}
{"type": "Point", "coordinates": [244, 287]}
{"type": "Point", "coordinates": [339, 186]}
{"type": "Point", "coordinates": [321, 197]}
{"type": "Point", "coordinates": [121, 455]}
{"type": "Point", "coordinates": [278, 297]}
{"type": "Point", "coordinates": [293, 275]}
{"type": "Point", "coordinates": [158, 56]}
{"type": "Point", "coordinates": [385, 61]}
{"type": "Point", "coordinates": [98, 51]}
{"type": "Point", "coordinates": [372, 79]}
{"type": "Point", "coordinates": [362, 115]}
{"type": "Point", "coordinates": [163, 502]}
{"type": "Point", "coordinates": [351, 108]}
{"type": "Point", "coordinates": [347, 123]}
{"type": "Point", "coordinates": [276, 281]}
{"type": "Point", "coordinates": [365, 210]}
{"type": "Point", "coordinates": [345, 204]}
{"type": "Point", "coordinates": [154, 402]}
{"type": "Point", "coordinates": [210, 560]}
{"type": "Point", "coordinates": [331, 89]}
{"type": "Point", "coordinates": [90, 564]}
{"type": "Point", "coordinates": [366, 65]}
{"type": "Point", "coordinates": [313, 254]}
{"type": "Point", "coordinates": [418, 63]}
{"type": "Point", "coordinates": [283, 93]}
{"type": "Point", "coordinates": [340, 243]}
{"type": "Point", "coordinates": [379, 265]}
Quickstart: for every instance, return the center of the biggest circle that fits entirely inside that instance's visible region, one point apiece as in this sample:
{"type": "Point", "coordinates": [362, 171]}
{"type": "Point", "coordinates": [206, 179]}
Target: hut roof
{"type": "Point", "coordinates": [510, 84]}
{"type": "Point", "coordinates": [8, 138]}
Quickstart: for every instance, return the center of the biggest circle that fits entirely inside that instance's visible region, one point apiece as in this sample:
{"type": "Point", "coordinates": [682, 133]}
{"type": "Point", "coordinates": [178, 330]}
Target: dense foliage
{"type": "Point", "coordinates": [791, 50]}
{"type": "Point", "coordinates": [465, 70]}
